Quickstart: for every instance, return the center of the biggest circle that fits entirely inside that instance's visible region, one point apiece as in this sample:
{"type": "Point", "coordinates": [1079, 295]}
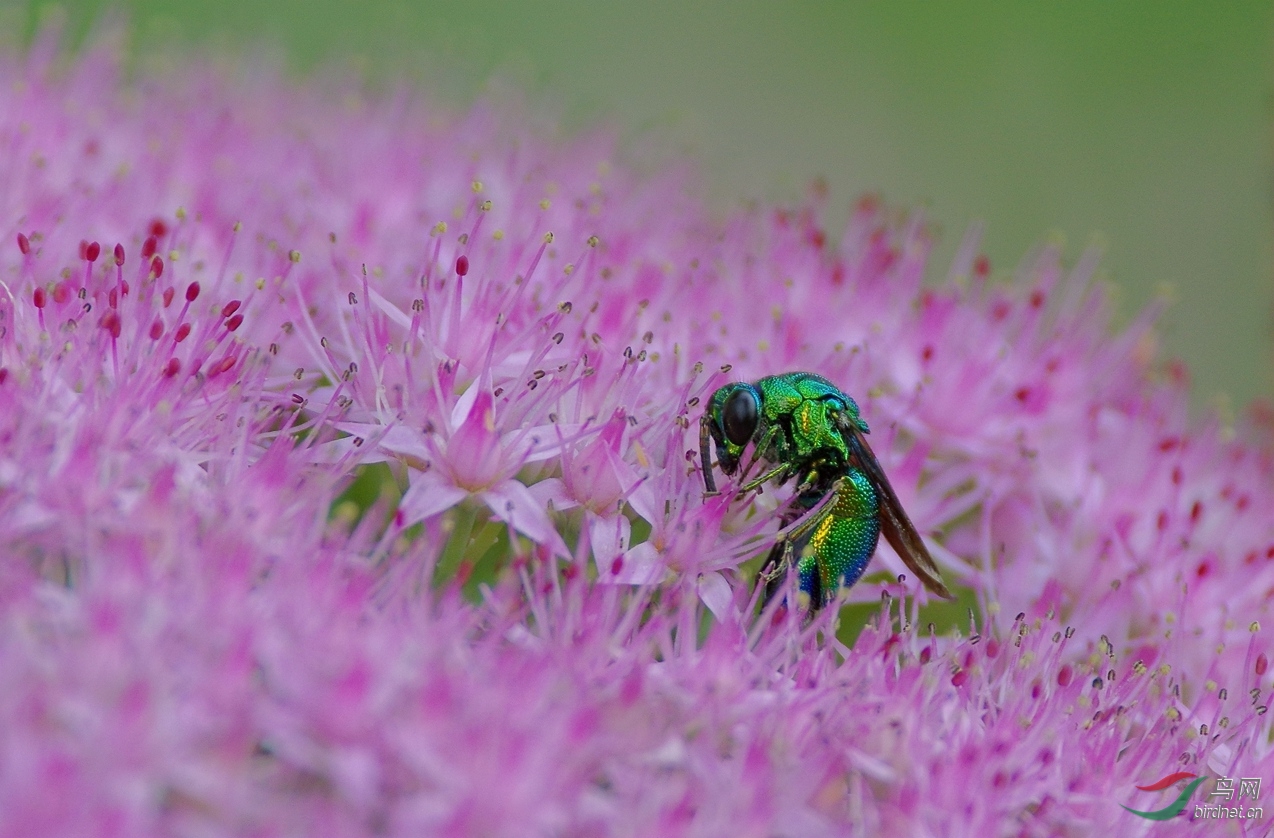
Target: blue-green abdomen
{"type": "Point", "coordinates": [842, 543]}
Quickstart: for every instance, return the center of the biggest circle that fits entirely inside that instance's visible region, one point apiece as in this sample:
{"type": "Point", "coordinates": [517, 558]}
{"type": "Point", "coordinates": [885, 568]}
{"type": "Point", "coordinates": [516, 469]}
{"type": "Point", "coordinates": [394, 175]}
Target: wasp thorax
{"type": "Point", "coordinates": [739, 415]}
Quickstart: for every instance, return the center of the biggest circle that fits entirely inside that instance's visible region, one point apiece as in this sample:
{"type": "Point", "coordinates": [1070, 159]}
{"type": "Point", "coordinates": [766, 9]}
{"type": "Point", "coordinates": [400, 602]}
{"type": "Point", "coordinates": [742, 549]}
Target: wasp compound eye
{"type": "Point", "coordinates": [740, 415]}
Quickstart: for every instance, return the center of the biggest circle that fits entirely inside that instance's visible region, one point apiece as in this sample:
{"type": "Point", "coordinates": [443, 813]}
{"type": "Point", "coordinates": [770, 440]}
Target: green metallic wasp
{"type": "Point", "coordinates": [806, 428]}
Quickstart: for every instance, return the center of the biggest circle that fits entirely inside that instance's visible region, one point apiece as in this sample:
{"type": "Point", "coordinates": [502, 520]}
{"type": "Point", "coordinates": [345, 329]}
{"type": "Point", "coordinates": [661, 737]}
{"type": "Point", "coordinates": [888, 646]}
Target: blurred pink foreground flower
{"type": "Point", "coordinates": [223, 300]}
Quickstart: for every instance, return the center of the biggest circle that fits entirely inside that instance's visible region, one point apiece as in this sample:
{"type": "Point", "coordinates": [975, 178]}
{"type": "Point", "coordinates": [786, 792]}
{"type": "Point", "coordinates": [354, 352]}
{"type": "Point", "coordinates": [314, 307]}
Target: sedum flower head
{"type": "Point", "coordinates": [349, 485]}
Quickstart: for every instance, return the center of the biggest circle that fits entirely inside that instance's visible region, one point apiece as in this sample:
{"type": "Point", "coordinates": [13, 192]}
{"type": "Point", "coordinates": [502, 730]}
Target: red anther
{"type": "Point", "coordinates": [172, 368]}
{"type": "Point", "coordinates": [156, 329]}
{"type": "Point", "coordinates": [982, 267]}
{"type": "Point", "coordinates": [1064, 676]}
{"type": "Point", "coordinates": [4, 374]}
{"type": "Point", "coordinates": [230, 308]}
{"type": "Point", "coordinates": [158, 228]}
{"type": "Point", "coordinates": [111, 323]}
{"type": "Point", "coordinates": [61, 293]}
{"type": "Point", "coordinates": [157, 267]}
{"type": "Point", "coordinates": [183, 331]}
{"type": "Point", "coordinates": [462, 265]}
{"type": "Point", "coordinates": [959, 678]}
{"type": "Point", "coordinates": [149, 247]}
{"type": "Point", "coordinates": [224, 365]}
{"type": "Point", "coordinates": [112, 299]}
{"type": "Point", "coordinates": [1037, 298]}
{"type": "Point", "coordinates": [1262, 663]}
{"type": "Point", "coordinates": [38, 298]}
{"type": "Point", "coordinates": [123, 287]}
{"type": "Point", "coordinates": [168, 297]}
{"type": "Point", "coordinates": [192, 292]}
{"type": "Point", "coordinates": [617, 565]}
{"type": "Point", "coordinates": [24, 244]}
{"type": "Point", "coordinates": [119, 254]}
{"type": "Point", "coordinates": [234, 322]}
{"type": "Point", "coordinates": [92, 251]}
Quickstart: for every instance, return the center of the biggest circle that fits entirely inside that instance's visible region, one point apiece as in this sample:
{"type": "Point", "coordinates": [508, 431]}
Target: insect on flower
{"type": "Point", "coordinates": [806, 428]}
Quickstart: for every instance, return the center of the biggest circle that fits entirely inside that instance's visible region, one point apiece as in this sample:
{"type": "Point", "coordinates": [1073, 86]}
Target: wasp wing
{"type": "Point", "coordinates": [894, 523]}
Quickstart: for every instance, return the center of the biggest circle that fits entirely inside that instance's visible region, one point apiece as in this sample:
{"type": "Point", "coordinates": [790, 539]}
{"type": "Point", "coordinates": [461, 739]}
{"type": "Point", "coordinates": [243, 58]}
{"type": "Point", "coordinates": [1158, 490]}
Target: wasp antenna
{"type": "Point", "coordinates": [704, 461]}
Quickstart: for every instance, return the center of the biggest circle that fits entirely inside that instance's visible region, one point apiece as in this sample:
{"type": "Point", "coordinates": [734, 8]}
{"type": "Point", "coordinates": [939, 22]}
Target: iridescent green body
{"type": "Point", "coordinates": [806, 428]}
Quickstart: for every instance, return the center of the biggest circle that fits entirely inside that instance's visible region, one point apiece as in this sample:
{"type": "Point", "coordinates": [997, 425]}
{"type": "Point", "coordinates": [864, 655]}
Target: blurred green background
{"type": "Point", "coordinates": [1145, 126]}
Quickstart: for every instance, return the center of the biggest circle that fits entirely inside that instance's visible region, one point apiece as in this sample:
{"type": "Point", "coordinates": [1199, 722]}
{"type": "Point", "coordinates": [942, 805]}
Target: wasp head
{"type": "Point", "coordinates": [731, 419]}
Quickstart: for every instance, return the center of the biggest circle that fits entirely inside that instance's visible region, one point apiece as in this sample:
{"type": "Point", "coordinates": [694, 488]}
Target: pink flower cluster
{"type": "Point", "coordinates": [349, 486]}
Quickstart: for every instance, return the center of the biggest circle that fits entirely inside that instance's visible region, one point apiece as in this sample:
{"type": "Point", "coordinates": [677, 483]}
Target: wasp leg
{"type": "Point", "coordinates": [814, 520]}
{"type": "Point", "coordinates": [769, 475]}
{"type": "Point", "coordinates": [783, 555]}
{"type": "Point", "coordinates": [781, 561]}
{"type": "Point", "coordinates": [774, 571]}
{"type": "Point", "coordinates": [762, 445]}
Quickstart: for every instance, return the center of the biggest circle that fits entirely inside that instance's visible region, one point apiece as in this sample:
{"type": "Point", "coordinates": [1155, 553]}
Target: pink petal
{"type": "Point", "coordinates": [640, 566]}
{"type": "Point", "coordinates": [474, 453]}
{"type": "Point", "coordinates": [552, 491]}
{"type": "Point", "coordinates": [399, 439]}
{"type": "Point", "coordinates": [429, 494]}
{"type": "Point", "coordinates": [609, 538]}
{"type": "Point", "coordinates": [465, 405]}
{"type": "Point", "coordinates": [513, 503]}
{"type": "Point", "coordinates": [717, 595]}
